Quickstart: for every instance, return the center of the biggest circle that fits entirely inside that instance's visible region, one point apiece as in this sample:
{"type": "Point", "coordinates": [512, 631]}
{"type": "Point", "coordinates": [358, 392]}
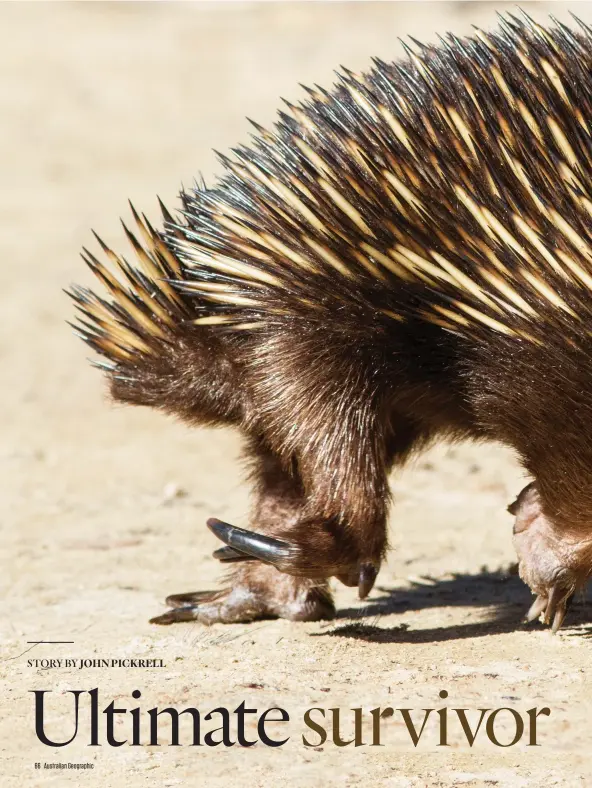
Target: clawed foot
{"type": "Point", "coordinates": [553, 564]}
{"type": "Point", "coordinates": [274, 578]}
{"type": "Point", "coordinates": [315, 560]}
{"type": "Point", "coordinates": [258, 591]}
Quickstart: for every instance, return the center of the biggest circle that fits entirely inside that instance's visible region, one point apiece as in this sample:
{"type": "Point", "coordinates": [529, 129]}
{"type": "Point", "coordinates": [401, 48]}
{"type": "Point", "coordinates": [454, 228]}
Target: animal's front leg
{"type": "Point", "coordinates": [331, 419]}
{"type": "Point", "coordinates": [554, 564]}
{"type": "Point", "coordinates": [323, 409]}
{"type": "Point", "coordinates": [340, 529]}
{"type": "Point", "coordinates": [321, 475]}
{"type": "Point", "coordinates": [254, 589]}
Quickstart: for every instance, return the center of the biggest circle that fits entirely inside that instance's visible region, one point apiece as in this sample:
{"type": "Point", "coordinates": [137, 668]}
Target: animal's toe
{"type": "Point", "coordinates": [191, 598]}
{"type": "Point", "coordinates": [178, 614]}
{"type": "Point", "coordinates": [552, 605]}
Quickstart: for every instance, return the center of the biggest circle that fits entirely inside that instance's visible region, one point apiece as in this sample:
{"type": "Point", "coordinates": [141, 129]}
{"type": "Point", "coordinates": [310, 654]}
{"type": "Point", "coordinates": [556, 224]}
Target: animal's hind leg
{"type": "Point", "coordinates": [256, 590]}
{"type": "Point", "coordinates": [554, 564]}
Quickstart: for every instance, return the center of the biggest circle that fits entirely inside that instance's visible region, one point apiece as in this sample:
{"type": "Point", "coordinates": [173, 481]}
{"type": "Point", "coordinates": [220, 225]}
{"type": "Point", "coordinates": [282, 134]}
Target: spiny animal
{"type": "Point", "coordinates": [406, 256]}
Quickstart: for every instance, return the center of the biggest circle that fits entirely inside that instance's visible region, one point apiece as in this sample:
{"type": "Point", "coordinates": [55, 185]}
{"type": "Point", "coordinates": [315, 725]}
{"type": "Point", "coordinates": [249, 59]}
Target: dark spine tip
{"type": "Point", "coordinates": [166, 215]}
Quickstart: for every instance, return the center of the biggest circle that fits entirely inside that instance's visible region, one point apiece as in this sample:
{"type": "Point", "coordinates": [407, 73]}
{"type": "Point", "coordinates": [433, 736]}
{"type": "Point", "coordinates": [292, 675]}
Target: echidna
{"type": "Point", "coordinates": [406, 256]}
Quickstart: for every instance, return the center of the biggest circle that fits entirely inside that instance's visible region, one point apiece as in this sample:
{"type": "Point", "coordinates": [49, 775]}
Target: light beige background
{"type": "Point", "coordinates": [103, 508]}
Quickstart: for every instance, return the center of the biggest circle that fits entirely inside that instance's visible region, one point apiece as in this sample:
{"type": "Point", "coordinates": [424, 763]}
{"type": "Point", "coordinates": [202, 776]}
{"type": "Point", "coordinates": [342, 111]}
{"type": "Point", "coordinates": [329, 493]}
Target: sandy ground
{"type": "Point", "coordinates": [103, 508]}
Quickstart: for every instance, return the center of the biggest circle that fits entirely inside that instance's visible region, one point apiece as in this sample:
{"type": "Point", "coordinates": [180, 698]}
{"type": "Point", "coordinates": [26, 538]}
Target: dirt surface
{"type": "Point", "coordinates": [103, 508]}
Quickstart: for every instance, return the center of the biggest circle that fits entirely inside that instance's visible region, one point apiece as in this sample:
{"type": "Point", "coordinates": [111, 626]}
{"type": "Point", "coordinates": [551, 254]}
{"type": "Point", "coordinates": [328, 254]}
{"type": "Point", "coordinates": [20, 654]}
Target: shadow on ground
{"type": "Point", "coordinates": [502, 597]}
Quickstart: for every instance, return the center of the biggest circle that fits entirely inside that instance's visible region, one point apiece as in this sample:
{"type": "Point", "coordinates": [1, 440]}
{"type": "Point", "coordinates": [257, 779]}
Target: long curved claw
{"type": "Point", "coordinates": [552, 603]}
{"type": "Point", "coordinates": [558, 618]}
{"type": "Point", "coordinates": [175, 615]}
{"type": "Point", "coordinates": [537, 607]}
{"type": "Point", "coordinates": [263, 548]}
{"type": "Point", "coordinates": [557, 605]}
{"type": "Point", "coordinates": [367, 578]}
{"type": "Point", "coordinates": [227, 555]}
{"type": "Point", "coordinates": [189, 599]}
